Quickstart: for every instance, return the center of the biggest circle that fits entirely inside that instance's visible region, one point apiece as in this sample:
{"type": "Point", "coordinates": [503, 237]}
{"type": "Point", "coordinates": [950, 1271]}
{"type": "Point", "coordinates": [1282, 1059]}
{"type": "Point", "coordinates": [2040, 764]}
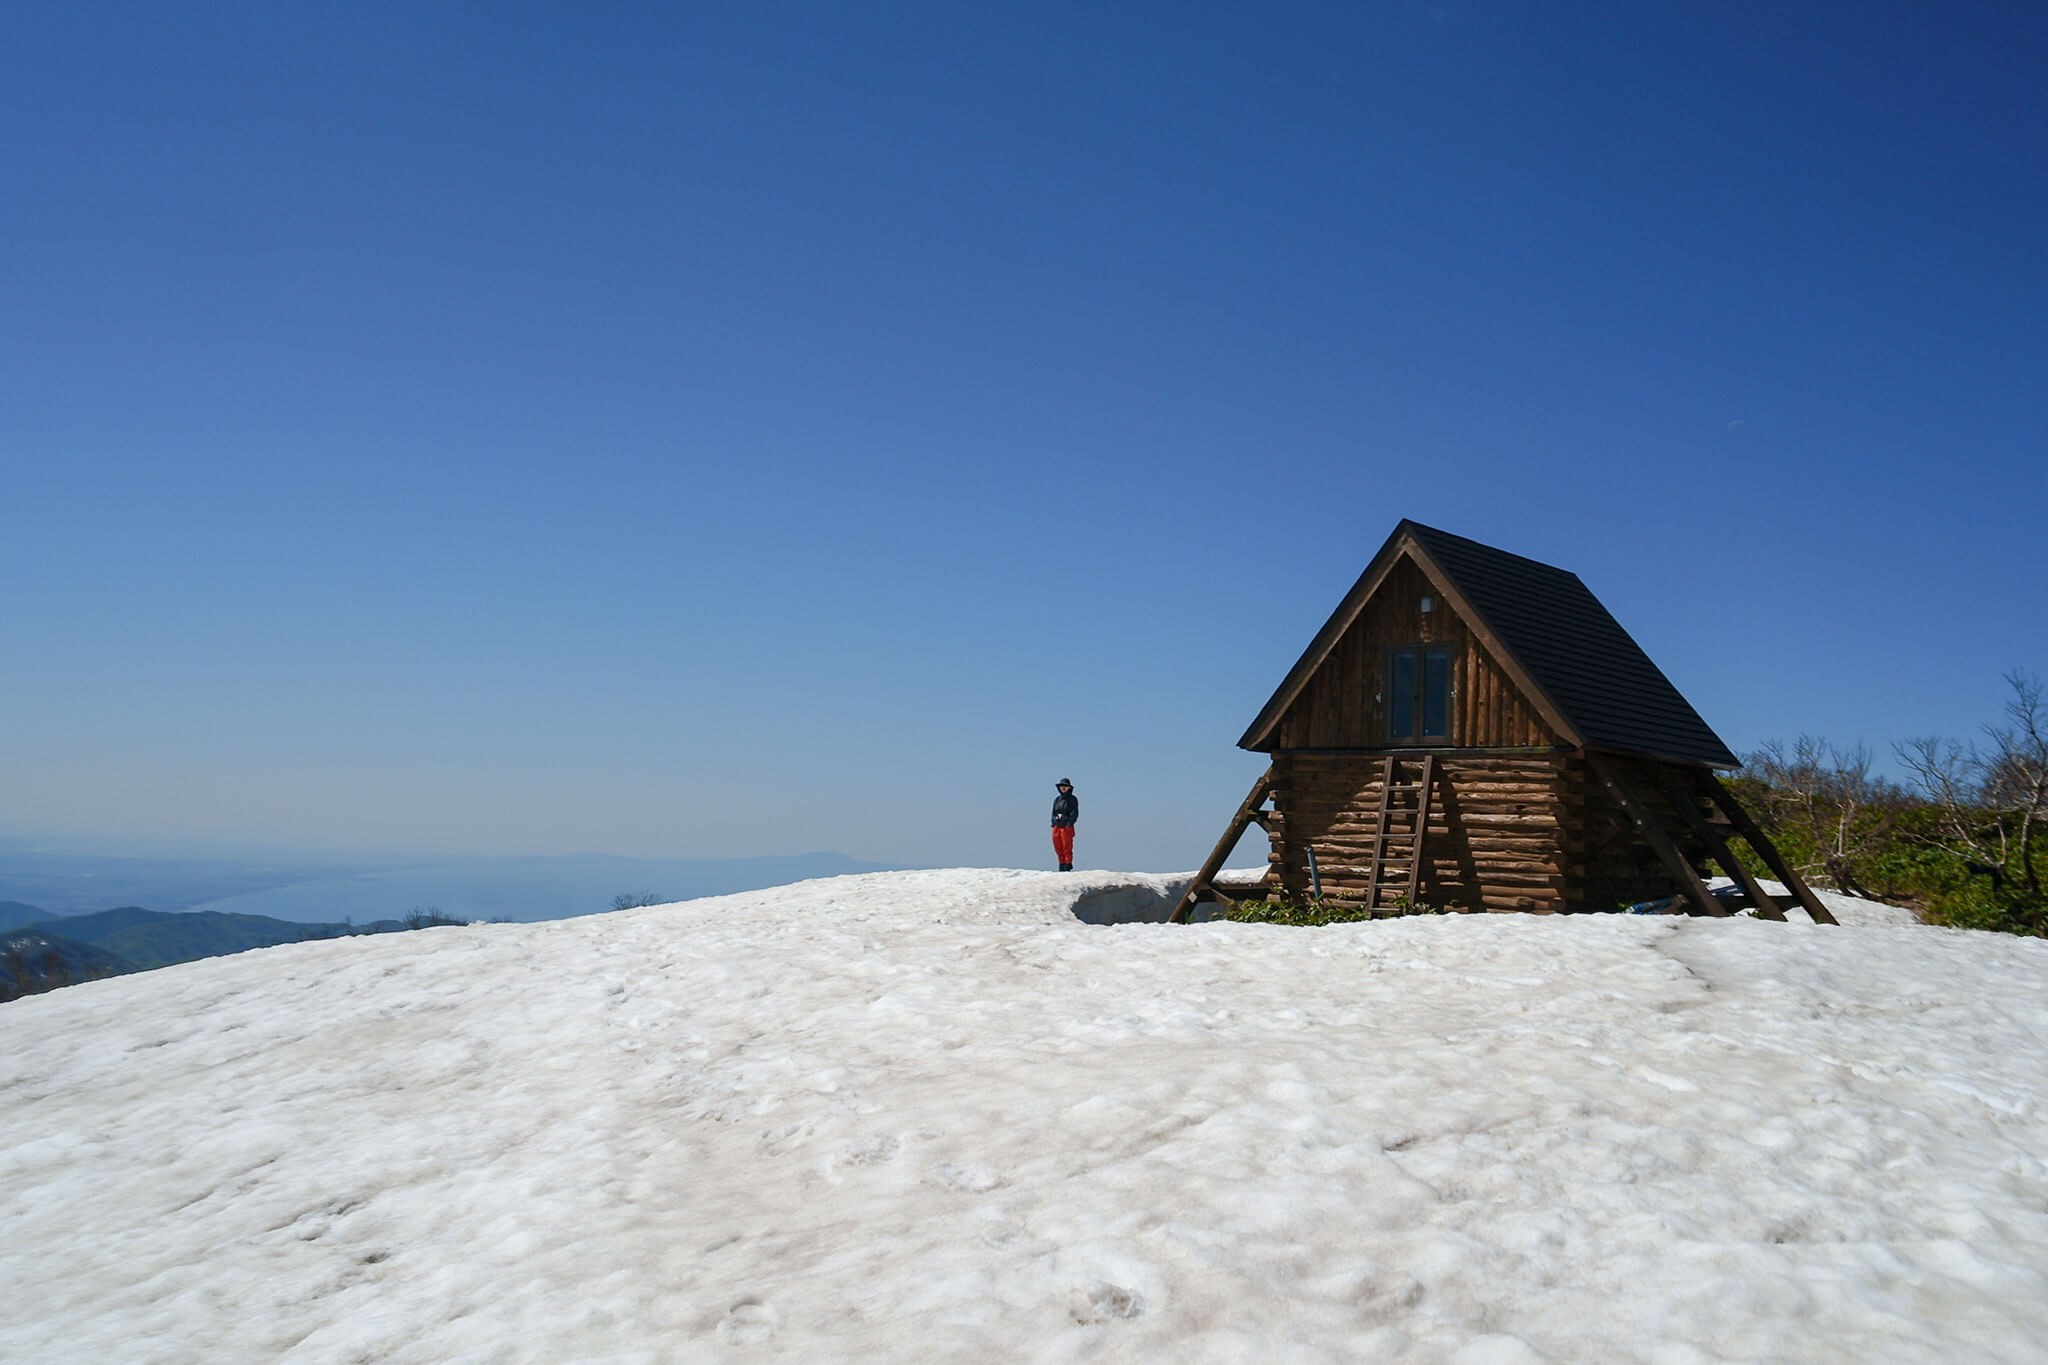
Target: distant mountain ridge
{"type": "Point", "coordinates": [150, 938]}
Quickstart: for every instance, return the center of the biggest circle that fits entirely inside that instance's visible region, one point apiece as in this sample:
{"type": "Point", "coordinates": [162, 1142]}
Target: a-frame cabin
{"type": "Point", "coordinates": [1471, 730]}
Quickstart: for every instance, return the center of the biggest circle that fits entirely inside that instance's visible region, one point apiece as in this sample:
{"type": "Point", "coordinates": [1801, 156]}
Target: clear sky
{"type": "Point", "coordinates": [743, 429]}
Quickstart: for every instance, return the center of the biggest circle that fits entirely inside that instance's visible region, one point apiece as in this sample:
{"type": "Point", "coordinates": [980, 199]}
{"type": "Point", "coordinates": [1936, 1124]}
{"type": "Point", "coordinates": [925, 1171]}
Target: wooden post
{"type": "Point", "coordinates": [1646, 820]}
{"type": "Point", "coordinates": [1221, 853]}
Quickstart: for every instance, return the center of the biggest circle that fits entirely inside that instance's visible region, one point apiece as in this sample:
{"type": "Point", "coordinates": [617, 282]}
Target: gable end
{"type": "Point", "coordinates": [1542, 661]}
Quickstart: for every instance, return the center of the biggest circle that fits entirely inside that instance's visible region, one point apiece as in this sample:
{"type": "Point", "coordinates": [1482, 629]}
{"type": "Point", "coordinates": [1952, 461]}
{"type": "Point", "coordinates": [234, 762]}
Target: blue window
{"type": "Point", "coordinates": [1418, 693]}
{"type": "Point", "coordinates": [1401, 694]}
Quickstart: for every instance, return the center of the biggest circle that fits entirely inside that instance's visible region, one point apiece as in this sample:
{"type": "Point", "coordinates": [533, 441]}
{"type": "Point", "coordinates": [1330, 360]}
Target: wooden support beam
{"type": "Point", "coordinates": [1221, 853]}
{"type": "Point", "coordinates": [1688, 806]}
{"type": "Point", "coordinates": [1646, 820]}
{"type": "Point", "coordinates": [1767, 850]}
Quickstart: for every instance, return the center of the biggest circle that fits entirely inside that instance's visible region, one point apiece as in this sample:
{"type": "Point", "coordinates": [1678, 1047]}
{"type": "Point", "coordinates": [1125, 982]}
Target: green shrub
{"type": "Point", "coordinates": [1977, 904]}
{"type": "Point", "coordinates": [1282, 910]}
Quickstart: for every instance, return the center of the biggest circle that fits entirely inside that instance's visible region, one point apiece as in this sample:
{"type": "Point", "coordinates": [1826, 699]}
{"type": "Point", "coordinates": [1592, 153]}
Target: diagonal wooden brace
{"type": "Point", "coordinates": [1768, 851]}
{"type": "Point", "coordinates": [1247, 813]}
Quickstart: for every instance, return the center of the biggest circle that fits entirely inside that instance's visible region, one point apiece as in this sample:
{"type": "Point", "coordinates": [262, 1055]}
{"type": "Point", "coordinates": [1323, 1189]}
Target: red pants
{"type": "Point", "coordinates": [1063, 842]}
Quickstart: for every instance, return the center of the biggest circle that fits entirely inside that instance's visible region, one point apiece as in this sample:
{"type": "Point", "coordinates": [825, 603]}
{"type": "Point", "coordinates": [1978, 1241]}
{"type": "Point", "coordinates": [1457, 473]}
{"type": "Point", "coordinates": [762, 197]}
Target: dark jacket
{"type": "Point", "coordinates": [1066, 809]}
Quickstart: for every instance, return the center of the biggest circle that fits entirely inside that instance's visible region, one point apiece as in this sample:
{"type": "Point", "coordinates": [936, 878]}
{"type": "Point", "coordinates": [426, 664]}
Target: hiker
{"type": "Point", "coordinates": [1066, 811]}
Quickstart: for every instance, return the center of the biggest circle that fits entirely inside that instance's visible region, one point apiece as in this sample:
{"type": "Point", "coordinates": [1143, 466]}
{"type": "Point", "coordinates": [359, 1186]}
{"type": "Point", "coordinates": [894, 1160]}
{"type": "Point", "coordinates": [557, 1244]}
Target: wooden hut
{"type": "Point", "coordinates": [1471, 730]}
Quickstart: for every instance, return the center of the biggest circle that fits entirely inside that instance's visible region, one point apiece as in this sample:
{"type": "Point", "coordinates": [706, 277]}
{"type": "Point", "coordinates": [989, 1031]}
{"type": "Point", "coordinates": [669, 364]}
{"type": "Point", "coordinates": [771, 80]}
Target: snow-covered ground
{"type": "Point", "coordinates": [934, 1116]}
{"type": "Point", "coordinates": [1845, 909]}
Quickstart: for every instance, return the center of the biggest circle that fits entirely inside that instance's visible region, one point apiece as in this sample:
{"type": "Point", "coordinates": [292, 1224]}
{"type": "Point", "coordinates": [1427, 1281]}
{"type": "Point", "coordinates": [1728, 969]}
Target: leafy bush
{"type": "Point", "coordinates": [2006, 912]}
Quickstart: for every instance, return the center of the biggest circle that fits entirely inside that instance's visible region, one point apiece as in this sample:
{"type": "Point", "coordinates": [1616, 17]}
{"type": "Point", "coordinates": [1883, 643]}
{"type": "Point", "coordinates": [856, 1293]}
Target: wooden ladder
{"type": "Point", "coordinates": [1396, 866]}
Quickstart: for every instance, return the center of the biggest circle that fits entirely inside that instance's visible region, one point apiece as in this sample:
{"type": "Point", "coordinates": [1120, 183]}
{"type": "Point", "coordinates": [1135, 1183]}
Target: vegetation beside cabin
{"type": "Point", "coordinates": [1964, 843]}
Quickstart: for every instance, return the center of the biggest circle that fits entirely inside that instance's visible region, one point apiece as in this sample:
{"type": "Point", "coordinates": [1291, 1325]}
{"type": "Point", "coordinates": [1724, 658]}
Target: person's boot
{"type": "Point", "coordinates": [1066, 867]}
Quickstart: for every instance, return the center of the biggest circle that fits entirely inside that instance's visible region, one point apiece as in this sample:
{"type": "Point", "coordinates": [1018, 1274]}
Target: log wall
{"type": "Point", "coordinates": [1342, 707]}
{"type": "Point", "coordinates": [1517, 832]}
{"type": "Point", "coordinates": [1495, 838]}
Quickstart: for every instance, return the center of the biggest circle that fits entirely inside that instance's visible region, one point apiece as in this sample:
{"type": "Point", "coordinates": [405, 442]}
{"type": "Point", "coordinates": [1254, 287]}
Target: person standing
{"type": "Point", "coordinates": [1066, 813]}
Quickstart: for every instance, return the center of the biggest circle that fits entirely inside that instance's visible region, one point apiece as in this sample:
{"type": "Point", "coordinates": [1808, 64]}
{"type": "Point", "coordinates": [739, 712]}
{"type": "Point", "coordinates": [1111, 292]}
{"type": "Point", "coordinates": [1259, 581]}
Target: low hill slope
{"type": "Point", "coordinates": [91, 928]}
{"type": "Point", "coordinates": [15, 914]}
{"type": "Point", "coordinates": [153, 938]}
{"type": "Point", "coordinates": [165, 939]}
{"type": "Point", "coordinates": [933, 1116]}
{"type": "Point", "coordinates": [34, 960]}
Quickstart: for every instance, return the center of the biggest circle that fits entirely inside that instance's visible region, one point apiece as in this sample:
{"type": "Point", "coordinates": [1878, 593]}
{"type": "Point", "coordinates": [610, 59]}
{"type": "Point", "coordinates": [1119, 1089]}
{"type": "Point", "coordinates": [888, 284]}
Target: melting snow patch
{"type": "Point", "coordinates": [936, 1115]}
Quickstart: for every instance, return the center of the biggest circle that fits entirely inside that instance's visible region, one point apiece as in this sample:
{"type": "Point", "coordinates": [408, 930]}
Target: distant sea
{"type": "Point", "coordinates": [330, 888]}
{"type": "Point", "coordinates": [528, 888]}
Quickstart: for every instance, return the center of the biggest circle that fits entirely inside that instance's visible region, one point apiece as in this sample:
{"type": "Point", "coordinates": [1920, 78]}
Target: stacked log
{"type": "Point", "coordinates": [1494, 841]}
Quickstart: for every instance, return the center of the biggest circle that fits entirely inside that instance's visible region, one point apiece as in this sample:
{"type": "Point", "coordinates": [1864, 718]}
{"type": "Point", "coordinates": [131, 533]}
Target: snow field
{"type": "Point", "coordinates": [931, 1116]}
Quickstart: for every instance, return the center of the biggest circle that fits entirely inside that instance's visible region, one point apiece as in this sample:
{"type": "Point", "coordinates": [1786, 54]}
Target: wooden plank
{"type": "Point", "coordinates": [1502, 784]}
{"type": "Point", "coordinates": [1479, 680]}
{"type": "Point", "coordinates": [1646, 820]}
{"type": "Point", "coordinates": [1239, 823]}
{"type": "Point", "coordinates": [1518, 877]}
{"type": "Point", "coordinates": [1767, 850]}
{"type": "Point", "coordinates": [1365, 808]}
{"type": "Point", "coordinates": [1351, 831]}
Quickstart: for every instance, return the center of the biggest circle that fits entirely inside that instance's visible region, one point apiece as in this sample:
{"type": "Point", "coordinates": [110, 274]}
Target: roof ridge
{"type": "Point", "coordinates": [1411, 525]}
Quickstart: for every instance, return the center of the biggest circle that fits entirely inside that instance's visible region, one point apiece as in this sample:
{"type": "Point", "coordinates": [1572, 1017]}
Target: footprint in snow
{"type": "Point", "coordinates": [748, 1321]}
{"type": "Point", "coordinates": [973, 1179]}
{"type": "Point", "coordinates": [1105, 1302]}
{"type": "Point", "coordinates": [876, 1150]}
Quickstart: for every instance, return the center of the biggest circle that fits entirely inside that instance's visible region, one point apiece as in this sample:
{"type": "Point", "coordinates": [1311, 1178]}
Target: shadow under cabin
{"type": "Point", "coordinates": [1473, 731]}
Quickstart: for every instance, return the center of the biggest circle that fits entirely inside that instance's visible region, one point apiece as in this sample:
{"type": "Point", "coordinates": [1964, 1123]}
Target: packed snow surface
{"type": "Point", "coordinates": [936, 1116]}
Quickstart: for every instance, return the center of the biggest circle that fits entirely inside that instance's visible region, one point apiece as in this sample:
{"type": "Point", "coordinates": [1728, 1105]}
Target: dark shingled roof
{"type": "Point", "coordinates": [1594, 676]}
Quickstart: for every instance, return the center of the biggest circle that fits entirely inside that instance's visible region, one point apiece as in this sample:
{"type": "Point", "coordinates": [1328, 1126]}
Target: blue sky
{"type": "Point", "coordinates": [733, 430]}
